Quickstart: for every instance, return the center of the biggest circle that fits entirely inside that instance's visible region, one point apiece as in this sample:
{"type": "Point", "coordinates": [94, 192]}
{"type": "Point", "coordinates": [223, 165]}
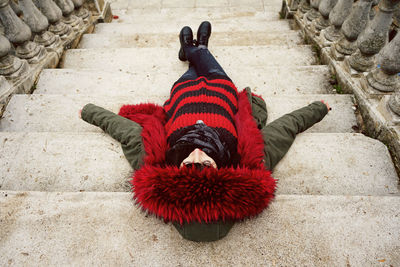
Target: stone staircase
{"type": "Point", "coordinates": [65, 195]}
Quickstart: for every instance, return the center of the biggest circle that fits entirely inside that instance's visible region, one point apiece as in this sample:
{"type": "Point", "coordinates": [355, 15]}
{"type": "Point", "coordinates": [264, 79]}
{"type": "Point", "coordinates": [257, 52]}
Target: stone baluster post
{"type": "Point", "coordinates": [293, 4]}
{"type": "Point", "coordinates": [337, 16]}
{"type": "Point", "coordinates": [54, 14]}
{"type": "Point", "coordinates": [304, 7]}
{"type": "Point", "coordinates": [19, 34]}
{"type": "Point", "coordinates": [394, 103]}
{"type": "Point", "coordinates": [313, 13]}
{"type": "Point", "coordinates": [325, 8]}
{"type": "Point", "coordinates": [372, 13]}
{"type": "Point", "coordinates": [351, 28]}
{"type": "Point", "coordinates": [396, 17]}
{"type": "Point", "coordinates": [16, 8]}
{"type": "Point", "coordinates": [38, 24]}
{"type": "Point", "coordinates": [10, 66]}
{"type": "Point", "coordinates": [80, 11]}
{"type": "Point", "coordinates": [385, 78]}
{"type": "Point", "coordinates": [374, 37]}
{"type": "Point", "coordinates": [67, 7]}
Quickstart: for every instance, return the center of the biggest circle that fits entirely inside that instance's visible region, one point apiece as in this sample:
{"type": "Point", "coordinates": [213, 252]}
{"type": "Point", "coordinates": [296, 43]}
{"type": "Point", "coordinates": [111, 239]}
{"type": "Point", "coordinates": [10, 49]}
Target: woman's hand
{"type": "Point", "coordinates": [327, 105]}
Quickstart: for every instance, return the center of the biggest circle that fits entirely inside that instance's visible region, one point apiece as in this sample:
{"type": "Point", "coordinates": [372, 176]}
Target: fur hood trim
{"type": "Point", "coordinates": [186, 195]}
{"type": "Point", "coordinates": [189, 195]}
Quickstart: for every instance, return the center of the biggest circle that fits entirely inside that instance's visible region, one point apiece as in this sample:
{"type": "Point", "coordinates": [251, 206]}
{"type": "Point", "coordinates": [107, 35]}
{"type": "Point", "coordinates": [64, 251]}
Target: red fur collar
{"type": "Point", "coordinates": [186, 195]}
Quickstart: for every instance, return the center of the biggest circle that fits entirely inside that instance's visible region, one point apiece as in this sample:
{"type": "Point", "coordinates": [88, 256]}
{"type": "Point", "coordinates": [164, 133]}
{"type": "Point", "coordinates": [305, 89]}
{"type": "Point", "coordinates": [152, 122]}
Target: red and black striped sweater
{"type": "Point", "coordinates": [215, 102]}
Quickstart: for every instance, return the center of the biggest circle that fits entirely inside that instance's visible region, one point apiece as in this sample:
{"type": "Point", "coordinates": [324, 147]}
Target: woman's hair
{"type": "Point", "coordinates": [205, 138]}
{"type": "Point", "coordinates": [177, 153]}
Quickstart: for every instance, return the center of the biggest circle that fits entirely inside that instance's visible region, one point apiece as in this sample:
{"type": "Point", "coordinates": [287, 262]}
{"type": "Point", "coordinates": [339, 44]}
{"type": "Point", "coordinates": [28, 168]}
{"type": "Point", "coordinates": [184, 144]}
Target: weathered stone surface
{"type": "Point", "coordinates": [313, 13]}
{"type": "Point", "coordinates": [15, 29]}
{"type": "Point", "coordinates": [266, 80]}
{"type": "Point", "coordinates": [317, 164]}
{"type": "Point", "coordinates": [191, 16]}
{"type": "Point", "coordinates": [231, 25]}
{"type": "Point", "coordinates": [38, 24]}
{"type": "Point", "coordinates": [81, 11]}
{"type": "Point", "coordinates": [10, 66]}
{"type": "Point", "coordinates": [171, 40]}
{"type": "Point", "coordinates": [324, 9]}
{"type": "Point", "coordinates": [304, 7]}
{"type": "Point", "coordinates": [15, 7]}
{"type": "Point", "coordinates": [33, 17]}
{"type": "Point", "coordinates": [394, 103]}
{"type": "Point", "coordinates": [167, 59]}
{"type": "Point", "coordinates": [107, 229]}
{"type": "Point", "coordinates": [19, 34]}
{"type": "Point", "coordinates": [5, 91]}
{"type": "Point", "coordinates": [374, 37]}
{"type": "Point", "coordinates": [351, 28]}
{"type": "Point", "coordinates": [156, 5]}
{"type": "Point", "coordinates": [58, 113]}
{"type": "Point", "coordinates": [337, 16]}
{"type": "Point", "coordinates": [54, 14]}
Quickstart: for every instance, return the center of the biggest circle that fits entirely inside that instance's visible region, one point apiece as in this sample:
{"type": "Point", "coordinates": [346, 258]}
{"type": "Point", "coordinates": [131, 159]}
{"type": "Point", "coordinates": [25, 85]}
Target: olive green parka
{"type": "Point", "coordinates": [278, 136]}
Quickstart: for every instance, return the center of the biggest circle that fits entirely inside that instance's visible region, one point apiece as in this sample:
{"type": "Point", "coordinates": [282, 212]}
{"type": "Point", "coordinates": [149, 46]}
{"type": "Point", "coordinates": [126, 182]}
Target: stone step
{"type": "Point", "coordinates": [193, 17]}
{"type": "Point", "coordinates": [157, 5]}
{"type": "Point", "coordinates": [266, 81]}
{"type": "Point", "coordinates": [108, 229]}
{"type": "Point", "coordinates": [164, 59]}
{"type": "Point", "coordinates": [59, 113]}
{"type": "Point", "coordinates": [316, 164]}
{"type": "Point", "coordinates": [225, 25]}
{"type": "Point", "coordinates": [170, 40]}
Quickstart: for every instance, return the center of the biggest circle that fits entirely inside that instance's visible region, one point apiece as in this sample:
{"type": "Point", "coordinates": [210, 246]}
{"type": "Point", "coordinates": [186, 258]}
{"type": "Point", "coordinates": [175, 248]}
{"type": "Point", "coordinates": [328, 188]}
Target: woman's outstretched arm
{"type": "Point", "coordinates": [280, 134]}
{"type": "Point", "coordinates": [125, 131]}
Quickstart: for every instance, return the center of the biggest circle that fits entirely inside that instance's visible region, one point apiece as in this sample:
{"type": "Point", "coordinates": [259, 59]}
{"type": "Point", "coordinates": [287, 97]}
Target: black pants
{"type": "Point", "coordinates": [201, 63]}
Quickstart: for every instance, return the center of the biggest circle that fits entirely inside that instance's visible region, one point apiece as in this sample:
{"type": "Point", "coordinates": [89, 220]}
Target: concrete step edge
{"type": "Point", "coordinates": [316, 164]}
{"type": "Point", "coordinates": [59, 112]}
{"type": "Point", "coordinates": [107, 229]}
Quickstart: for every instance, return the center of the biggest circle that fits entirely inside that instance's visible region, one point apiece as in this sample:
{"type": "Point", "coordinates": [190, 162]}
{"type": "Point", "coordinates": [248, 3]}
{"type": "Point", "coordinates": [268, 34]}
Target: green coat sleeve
{"type": "Point", "coordinates": [125, 131]}
{"type": "Point", "coordinates": [279, 135]}
{"type": "Point", "coordinates": [258, 108]}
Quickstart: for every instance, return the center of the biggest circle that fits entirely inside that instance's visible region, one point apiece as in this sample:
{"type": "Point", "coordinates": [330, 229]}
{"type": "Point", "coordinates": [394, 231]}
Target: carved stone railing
{"type": "Point", "coordinates": [362, 50]}
{"type": "Point", "coordinates": [35, 33]}
{"type": "Point", "coordinates": [313, 13]}
{"type": "Point", "coordinates": [325, 7]}
{"type": "Point", "coordinates": [337, 16]}
{"type": "Point", "coordinates": [351, 28]}
{"type": "Point", "coordinates": [38, 24]}
{"type": "Point", "coordinates": [372, 39]}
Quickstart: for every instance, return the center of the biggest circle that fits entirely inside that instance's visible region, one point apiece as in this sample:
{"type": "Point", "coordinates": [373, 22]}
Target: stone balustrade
{"type": "Point", "coordinates": [54, 15]}
{"type": "Point", "coordinates": [34, 35]}
{"type": "Point", "coordinates": [313, 13]}
{"type": "Point", "coordinates": [303, 8]}
{"type": "Point", "coordinates": [38, 24]}
{"type": "Point", "coordinates": [351, 28]}
{"type": "Point", "coordinates": [16, 8]}
{"type": "Point", "coordinates": [361, 46]}
{"type": "Point", "coordinates": [67, 7]}
{"type": "Point", "coordinates": [385, 78]}
{"type": "Point", "coordinates": [373, 38]}
{"type": "Point", "coordinates": [80, 11]}
{"type": "Point", "coordinates": [336, 17]}
{"type": "Point", "coordinates": [325, 8]}
{"type": "Point", "coordinates": [19, 34]}
{"type": "Point", "coordinates": [373, 9]}
{"type": "Point", "coordinates": [11, 66]}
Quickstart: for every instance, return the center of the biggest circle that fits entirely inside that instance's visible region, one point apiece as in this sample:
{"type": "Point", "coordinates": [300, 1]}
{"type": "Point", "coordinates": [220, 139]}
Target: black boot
{"type": "Point", "coordinates": [186, 39]}
{"type": "Point", "coordinates": [203, 33]}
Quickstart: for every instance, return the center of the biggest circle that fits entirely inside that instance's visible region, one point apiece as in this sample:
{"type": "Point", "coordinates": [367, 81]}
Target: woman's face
{"type": "Point", "coordinates": [198, 156]}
